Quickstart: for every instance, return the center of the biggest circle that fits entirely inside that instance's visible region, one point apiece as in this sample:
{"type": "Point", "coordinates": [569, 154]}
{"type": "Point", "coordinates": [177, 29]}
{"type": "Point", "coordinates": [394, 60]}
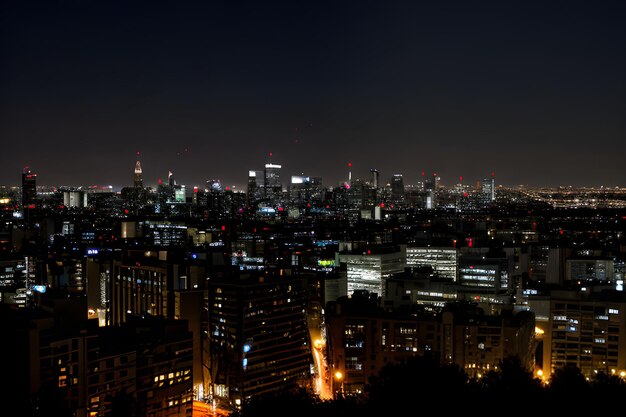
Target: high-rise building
{"type": "Point", "coordinates": [273, 188]}
{"type": "Point", "coordinates": [138, 288]}
{"type": "Point", "coordinates": [490, 273]}
{"type": "Point", "coordinates": [592, 269]}
{"type": "Point", "coordinates": [259, 341]}
{"type": "Point", "coordinates": [489, 188]}
{"type": "Point", "coordinates": [443, 261]}
{"type": "Point", "coordinates": [369, 268]}
{"type": "Point", "coordinates": [431, 187]}
{"type": "Point", "coordinates": [397, 189]}
{"type": "Point", "coordinates": [583, 329]}
{"type": "Point", "coordinates": [29, 188]}
{"type": "Point", "coordinates": [431, 183]}
{"type": "Point", "coordinates": [375, 177]}
{"type": "Point", "coordinates": [74, 198]}
{"type": "Point", "coordinates": [138, 176]}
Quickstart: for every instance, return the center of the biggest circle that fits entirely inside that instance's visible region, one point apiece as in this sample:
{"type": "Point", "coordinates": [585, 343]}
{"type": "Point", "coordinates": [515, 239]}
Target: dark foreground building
{"type": "Point", "coordinates": [363, 338]}
{"type": "Point", "coordinates": [259, 338]}
{"type": "Point", "coordinates": [143, 368]}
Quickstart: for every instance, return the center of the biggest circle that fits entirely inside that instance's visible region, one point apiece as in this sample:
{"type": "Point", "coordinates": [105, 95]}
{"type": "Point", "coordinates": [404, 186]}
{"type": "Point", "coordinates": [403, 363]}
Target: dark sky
{"type": "Point", "coordinates": [533, 90]}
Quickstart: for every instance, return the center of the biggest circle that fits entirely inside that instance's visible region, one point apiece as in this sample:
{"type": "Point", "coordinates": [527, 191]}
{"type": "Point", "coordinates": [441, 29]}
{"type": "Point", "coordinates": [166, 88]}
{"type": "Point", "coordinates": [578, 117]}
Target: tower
{"type": "Point", "coordinates": [29, 187]}
{"type": "Point", "coordinates": [273, 187]}
{"type": "Point", "coordinates": [138, 178]}
{"type": "Point", "coordinates": [375, 177]}
{"type": "Point", "coordinates": [489, 188]}
{"type": "Point", "coordinates": [397, 188]}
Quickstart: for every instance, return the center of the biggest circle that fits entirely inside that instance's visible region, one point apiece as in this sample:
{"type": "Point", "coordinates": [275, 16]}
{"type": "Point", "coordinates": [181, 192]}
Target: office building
{"type": "Point", "coordinates": [488, 189]}
{"type": "Point", "coordinates": [442, 260]}
{"type": "Point", "coordinates": [369, 266]}
{"type": "Point", "coordinates": [398, 195]}
{"type": "Point", "coordinates": [589, 270]}
{"type": "Point", "coordinates": [138, 288]}
{"type": "Point", "coordinates": [74, 198]}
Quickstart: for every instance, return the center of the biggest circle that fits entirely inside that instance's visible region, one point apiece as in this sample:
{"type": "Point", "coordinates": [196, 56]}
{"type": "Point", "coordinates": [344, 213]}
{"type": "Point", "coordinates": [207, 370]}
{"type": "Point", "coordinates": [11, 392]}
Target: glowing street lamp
{"type": "Point", "coordinates": [339, 381]}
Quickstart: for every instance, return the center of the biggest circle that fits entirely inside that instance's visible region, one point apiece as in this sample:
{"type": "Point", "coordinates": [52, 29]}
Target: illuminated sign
{"type": "Point", "coordinates": [92, 251]}
{"type": "Point", "coordinates": [298, 179]}
{"type": "Point", "coordinates": [326, 262]}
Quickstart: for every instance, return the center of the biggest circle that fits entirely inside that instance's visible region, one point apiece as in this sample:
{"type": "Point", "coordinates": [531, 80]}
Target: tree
{"type": "Point", "coordinates": [567, 386]}
{"type": "Point", "coordinates": [511, 382]}
{"type": "Point", "coordinates": [399, 385]}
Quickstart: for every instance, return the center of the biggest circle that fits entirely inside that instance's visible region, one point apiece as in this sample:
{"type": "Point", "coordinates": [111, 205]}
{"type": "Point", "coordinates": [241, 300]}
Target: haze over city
{"type": "Point", "coordinates": [534, 91]}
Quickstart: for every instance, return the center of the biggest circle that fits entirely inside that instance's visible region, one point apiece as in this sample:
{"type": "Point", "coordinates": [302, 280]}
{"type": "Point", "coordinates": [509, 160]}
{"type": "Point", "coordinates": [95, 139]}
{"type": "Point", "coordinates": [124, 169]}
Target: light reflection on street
{"type": "Point", "coordinates": [322, 388]}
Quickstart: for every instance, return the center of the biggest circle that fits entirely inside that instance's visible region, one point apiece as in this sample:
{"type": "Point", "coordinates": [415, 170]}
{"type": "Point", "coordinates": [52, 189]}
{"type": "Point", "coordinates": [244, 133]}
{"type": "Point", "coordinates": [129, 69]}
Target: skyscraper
{"type": "Point", "coordinates": [138, 178]}
{"type": "Point", "coordinates": [29, 187]}
{"type": "Point", "coordinates": [273, 187]}
{"type": "Point", "coordinates": [375, 177]}
{"type": "Point", "coordinates": [258, 335]}
{"type": "Point", "coordinates": [397, 188]}
{"type": "Point", "coordinates": [489, 188]}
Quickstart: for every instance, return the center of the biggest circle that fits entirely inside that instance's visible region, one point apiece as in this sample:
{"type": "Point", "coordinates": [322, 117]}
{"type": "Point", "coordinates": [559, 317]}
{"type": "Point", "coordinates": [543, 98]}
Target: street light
{"type": "Point", "coordinates": [339, 380]}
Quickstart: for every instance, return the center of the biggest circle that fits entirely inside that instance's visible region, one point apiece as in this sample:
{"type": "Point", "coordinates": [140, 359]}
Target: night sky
{"type": "Point", "coordinates": [535, 91]}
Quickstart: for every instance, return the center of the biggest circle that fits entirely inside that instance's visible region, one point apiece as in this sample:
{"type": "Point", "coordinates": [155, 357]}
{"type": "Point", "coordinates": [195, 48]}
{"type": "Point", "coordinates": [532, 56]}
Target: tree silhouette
{"type": "Point", "coordinates": [398, 385]}
{"type": "Point", "coordinates": [511, 381]}
{"type": "Point", "coordinates": [609, 390]}
{"type": "Point", "coordinates": [567, 386]}
{"type": "Point", "coordinates": [279, 405]}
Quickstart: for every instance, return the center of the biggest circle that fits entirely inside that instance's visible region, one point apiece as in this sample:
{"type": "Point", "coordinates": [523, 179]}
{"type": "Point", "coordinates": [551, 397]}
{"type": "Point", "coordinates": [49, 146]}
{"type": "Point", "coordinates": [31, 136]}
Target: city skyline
{"type": "Point", "coordinates": [532, 91]}
{"type": "Point", "coordinates": [351, 173]}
